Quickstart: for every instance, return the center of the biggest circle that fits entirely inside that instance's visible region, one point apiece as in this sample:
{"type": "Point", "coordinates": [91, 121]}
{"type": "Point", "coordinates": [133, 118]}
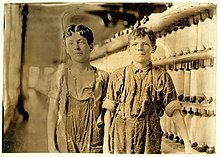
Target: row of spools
{"type": "Point", "coordinates": [200, 125]}
{"type": "Point", "coordinates": [195, 83]}
{"type": "Point", "coordinates": [193, 34]}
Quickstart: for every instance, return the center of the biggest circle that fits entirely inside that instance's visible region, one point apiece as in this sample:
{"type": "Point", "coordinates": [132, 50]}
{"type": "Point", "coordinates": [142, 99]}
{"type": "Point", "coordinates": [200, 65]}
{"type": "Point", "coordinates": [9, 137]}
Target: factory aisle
{"type": "Point", "coordinates": [31, 136]}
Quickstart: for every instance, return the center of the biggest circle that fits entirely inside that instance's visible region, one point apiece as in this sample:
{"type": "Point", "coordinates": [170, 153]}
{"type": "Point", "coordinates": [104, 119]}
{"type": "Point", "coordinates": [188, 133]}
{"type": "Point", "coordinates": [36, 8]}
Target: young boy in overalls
{"type": "Point", "coordinates": [137, 96]}
{"type": "Point", "coordinates": [75, 121]}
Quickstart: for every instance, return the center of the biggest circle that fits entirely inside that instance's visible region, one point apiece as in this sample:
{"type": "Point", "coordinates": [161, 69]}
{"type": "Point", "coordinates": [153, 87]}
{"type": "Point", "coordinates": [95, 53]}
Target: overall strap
{"type": "Point", "coordinates": [66, 75]}
{"type": "Point", "coordinates": [123, 94]}
{"type": "Point", "coordinates": [155, 91]}
{"type": "Point", "coordinates": [66, 79]}
{"type": "Point", "coordinates": [154, 86]}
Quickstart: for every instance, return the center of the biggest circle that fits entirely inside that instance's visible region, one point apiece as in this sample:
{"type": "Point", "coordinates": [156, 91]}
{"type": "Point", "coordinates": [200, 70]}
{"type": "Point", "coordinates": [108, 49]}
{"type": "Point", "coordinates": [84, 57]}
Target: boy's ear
{"type": "Point", "coordinates": [91, 46]}
{"type": "Point", "coordinates": [154, 48]}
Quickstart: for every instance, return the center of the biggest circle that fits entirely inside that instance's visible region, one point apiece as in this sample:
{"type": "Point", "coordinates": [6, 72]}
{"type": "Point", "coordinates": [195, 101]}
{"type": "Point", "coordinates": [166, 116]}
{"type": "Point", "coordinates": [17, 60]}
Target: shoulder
{"type": "Point", "coordinates": [119, 73]}
{"type": "Point", "coordinates": [59, 73]}
{"type": "Point", "coordinates": [103, 76]}
{"type": "Point", "coordinates": [159, 71]}
{"type": "Point", "coordinates": [102, 73]}
{"type": "Point", "coordinates": [161, 74]}
{"type": "Point", "coordinates": [57, 79]}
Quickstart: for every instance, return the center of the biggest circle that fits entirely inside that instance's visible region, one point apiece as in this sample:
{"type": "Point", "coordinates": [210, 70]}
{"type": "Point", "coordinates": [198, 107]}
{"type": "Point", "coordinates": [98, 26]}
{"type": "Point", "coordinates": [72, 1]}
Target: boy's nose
{"type": "Point", "coordinates": [75, 45]}
{"type": "Point", "coordinates": [140, 47]}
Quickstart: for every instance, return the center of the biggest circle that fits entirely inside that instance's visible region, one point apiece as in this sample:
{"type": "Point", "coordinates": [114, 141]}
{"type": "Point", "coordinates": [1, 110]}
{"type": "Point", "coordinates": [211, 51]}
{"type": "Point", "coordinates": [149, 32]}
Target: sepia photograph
{"type": "Point", "coordinates": [109, 78]}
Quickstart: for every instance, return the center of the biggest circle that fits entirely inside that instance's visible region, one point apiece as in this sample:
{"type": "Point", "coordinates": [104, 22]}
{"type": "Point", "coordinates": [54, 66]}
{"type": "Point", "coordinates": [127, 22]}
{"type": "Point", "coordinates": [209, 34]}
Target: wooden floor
{"type": "Point", "coordinates": [31, 136]}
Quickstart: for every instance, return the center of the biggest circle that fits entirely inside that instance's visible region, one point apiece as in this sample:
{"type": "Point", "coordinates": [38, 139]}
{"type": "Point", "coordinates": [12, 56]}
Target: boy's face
{"type": "Point", "coordinates": [140, 49]}
{"type": "Point", "coordinates": [78, 48]}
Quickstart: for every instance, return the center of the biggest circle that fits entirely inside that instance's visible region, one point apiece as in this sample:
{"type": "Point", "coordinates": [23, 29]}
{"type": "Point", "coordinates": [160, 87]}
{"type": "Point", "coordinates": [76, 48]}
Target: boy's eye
{"type": "Point", "coordinates": [82, 42]}
{"type": "Point", "coordinates": [134, 44]}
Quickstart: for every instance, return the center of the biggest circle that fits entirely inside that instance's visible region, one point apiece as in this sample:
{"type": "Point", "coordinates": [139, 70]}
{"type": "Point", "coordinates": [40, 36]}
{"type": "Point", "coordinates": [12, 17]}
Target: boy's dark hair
{"type": "Point", "coordinates": [142, 32]}
{"type": "Point", "coordinates": [81, 29]}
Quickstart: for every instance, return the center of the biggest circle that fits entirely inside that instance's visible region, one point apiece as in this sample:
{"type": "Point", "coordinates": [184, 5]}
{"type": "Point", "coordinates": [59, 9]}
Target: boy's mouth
{"type": "Point", "coordinates": [79, 53]}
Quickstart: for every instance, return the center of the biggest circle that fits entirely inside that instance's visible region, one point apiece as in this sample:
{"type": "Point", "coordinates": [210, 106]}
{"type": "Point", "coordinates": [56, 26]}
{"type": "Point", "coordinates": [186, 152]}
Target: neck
{"type": "Point", "coordinates": [141, 65]}
{"type": "Point", "coordinates": [76, 66]}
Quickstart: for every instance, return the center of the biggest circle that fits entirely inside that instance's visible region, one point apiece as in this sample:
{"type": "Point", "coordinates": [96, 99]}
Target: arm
{"type": "Point", "coordinates": [107, 122]}
{"type": "Point", "coordinates": [51, 125]}
{"type": "Point", "coordinates": [54, 98]}
{"type": "Point", "coordinates": [181, 127]}
{"type": "Point", "coordinates": [107, 117]}
{"type": "Point", "coordinates": [110, 106]}
{"type": "Point", "coordinates": [173, 108]}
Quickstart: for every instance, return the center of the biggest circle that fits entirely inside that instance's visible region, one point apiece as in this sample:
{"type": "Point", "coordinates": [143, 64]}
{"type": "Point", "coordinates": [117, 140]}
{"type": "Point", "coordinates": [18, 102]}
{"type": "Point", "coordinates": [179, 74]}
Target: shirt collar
{"type": "Point", "coordinates": [145, 70]}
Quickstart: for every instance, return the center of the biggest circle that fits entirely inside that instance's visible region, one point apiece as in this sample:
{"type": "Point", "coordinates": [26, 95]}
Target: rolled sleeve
{"type": "Point", "coordinates": [109, 105]}
{"type": "Point", "coordinates": [105, 84]}
{"type": "Point", "coordinates": [172, 106]}
{"type": "Point", "coordinates": [55, 85]}
{"type": "Point", "coordinates": [113, 90]}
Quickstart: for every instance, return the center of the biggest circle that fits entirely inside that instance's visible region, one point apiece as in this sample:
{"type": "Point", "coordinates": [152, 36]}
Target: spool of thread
{"type": "Point", "coordinates": [206, 36]}
{"type": "Point", "coordinates": [185, 40]}
{"type": "Point", "coordinates": [211, 132]}
{"type": "Point", "coordinates": [193, 87]}
{"type": "Point", "coordinates": [201, 131]}
{"type": "Point", "coordinates": [193, 128]}
{"type": "Point", "coordinates": [178, 81]}
{"type": "Point", "coordinates": [178, 43]}
{"type": "Point", "coordinates": [214, 33]}
{"type": "Point", "coordinates": [193, 34]}
{"type": "Point", "coordinates": [210, 82]}
{"type": "Point", "coordinates": [200, 82]}
{"type": "Point", "coordinates": [188, 119]}
{"type": "Point", "coordinates": [187, 79]}
{"type": "Point", "coordinates": [160, 51]}
{"type": "Point", "coordinates": [169, 40]}
{"type": "Point", "coordinates": [200, 46]}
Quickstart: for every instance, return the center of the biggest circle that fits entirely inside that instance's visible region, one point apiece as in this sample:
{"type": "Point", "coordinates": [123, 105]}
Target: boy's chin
{"type": "Point", "coordinates": [143, 61]}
